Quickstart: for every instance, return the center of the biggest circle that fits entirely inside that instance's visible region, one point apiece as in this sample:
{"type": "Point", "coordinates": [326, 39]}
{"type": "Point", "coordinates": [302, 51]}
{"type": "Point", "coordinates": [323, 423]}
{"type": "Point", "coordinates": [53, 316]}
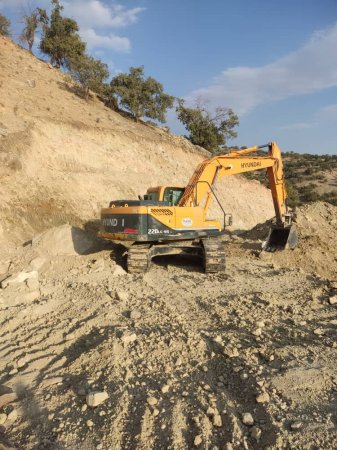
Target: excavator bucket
{"type": "Point", "coordinates": [281, 238]}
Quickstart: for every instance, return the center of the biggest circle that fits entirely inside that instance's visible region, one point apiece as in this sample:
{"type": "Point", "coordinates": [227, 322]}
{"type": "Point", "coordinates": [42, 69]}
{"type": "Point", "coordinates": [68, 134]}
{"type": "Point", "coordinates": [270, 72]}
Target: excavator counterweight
{"type": "Point", "coordinates": [173, 220]}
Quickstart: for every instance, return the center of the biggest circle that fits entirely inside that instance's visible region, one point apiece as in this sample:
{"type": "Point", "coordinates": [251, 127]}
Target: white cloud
{"type": "Point", "coordinates": [96, 14]}
{"type": "Point", "coordinates": [111, 42]}
{"type": "Point", "coordinates": [310, 69]}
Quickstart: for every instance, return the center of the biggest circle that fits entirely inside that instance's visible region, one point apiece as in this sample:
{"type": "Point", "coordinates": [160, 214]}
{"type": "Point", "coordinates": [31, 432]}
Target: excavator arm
{"type": "Point", "coordinates": [199, 190]}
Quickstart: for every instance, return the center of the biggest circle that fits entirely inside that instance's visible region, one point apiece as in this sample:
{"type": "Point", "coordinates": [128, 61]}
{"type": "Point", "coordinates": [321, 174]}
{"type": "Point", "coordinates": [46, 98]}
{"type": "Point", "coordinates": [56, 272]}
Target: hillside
{"type": "Point", "coordinates": [63, 158]}
{"type": "Point", "coordinates": [309, 177]}
{"type": "Point", "coordinates": [95, 358]}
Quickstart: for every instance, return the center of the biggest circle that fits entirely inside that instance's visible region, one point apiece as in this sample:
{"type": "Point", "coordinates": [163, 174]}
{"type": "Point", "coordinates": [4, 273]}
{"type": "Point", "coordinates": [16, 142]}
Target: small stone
{"type": "Point", "coordinates": [231, 352]}
{"type": "Point", "coordinates": [247, 419]}
{"type": "Point", "coordinates": [21, 362]}
{"type": "Point", "coordinates": [12, 416]}
{"type": "Point", "coordinates": [198, 440]}
{"type": "Point", "coordinates": [257, 332]}
{"type": "Point", "coordinates": [90, 423]}
{"type": "Point", "coordinates": [165, 388]}
{"type": "Point", "coordinates": [319, 331]}
{"type": "Point", "coordinates": [69, 337]}
{"type": "Point", "coordinates": [102, 413]}
{"type": "Point", "coordinates": [296, 425]}
{"type": "Point", "coordinates": [135, 314]}
{"type": "Point", "coordinates": [99, 446]}
{"type": "Point", "coordinates": [256, 433]}
{"type": "Point", "coordinates": [7, 398]}
{"type": "Point", "coordinates": [95, 398]}
{"type": "Point", "coordinates": [211, 411]}
{"type": "Point", "coordinates": [13, 371]}
{"type": "Point", "coordinates": [84, 408]}
{"type": "Point", "coordinates": [51, 416]}
{"type": "Point", "coordinates": [333, 300]}
{"type": "Point", "coordinates": [218, 339]}
{"type": "Point", "coordinates": [3, 418]}
{"type": "Point", "coordinates": [128, 337]}
{"type": "Point", "coordinates": [155, 412]}
{"type": "Point", "coordinates": [263, 398]}
{"type": "Point", "coordinates": [260, 324]}
{"type": "Point", "coordinates": [51, 381]}
{"type": "Point", "coordinates": [217, 421]}
{"type": "Point", "coordinates": [152, 401]}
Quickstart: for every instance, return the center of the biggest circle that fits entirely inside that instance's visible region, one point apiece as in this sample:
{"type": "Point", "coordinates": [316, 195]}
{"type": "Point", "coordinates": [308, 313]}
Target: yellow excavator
{"type": "Point", "coordinates": [173, 220]}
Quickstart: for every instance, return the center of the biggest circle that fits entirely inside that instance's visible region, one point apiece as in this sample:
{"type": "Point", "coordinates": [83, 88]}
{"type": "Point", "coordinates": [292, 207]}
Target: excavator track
{"type": "Point", "coordinates": [138, 258]}
{"type": "Point", "coordinates": [214, 255]}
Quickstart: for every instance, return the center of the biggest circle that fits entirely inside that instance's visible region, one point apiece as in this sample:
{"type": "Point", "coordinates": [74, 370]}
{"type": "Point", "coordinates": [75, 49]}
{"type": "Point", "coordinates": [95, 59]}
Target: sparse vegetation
{"type": "Point", "coordinates": [4, 26]}
{"type": "Point", "coordinates": [140, 96]}
{"type": "Point", "coordinates": [309, 178]}
{"type": "Point", "coordinates": [60, 38]}
{"type": "Point", "coordinates": [207, 130]}
{"type": "Point", "coordinates": [31, 23]}
{"type": "Point", "coordinates": [90, 73]}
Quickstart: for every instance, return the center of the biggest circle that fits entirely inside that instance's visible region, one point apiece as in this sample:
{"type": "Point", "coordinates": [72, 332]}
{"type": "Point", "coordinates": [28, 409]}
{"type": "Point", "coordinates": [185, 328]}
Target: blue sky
{"type": "Point", "coordinates": [273, 62]}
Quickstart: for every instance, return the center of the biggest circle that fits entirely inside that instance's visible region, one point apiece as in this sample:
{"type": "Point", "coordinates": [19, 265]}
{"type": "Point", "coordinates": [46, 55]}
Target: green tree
{"type": "Point", "coordinates": [31, 23]}
{"type": "Point", "coordinates": [4, 26]}
{"type": "Point", "coordinates": [140, 96]}
{"type": "Point", "coordinates": [207, 130]}
{"type": "Point", "coordinates": [60, 39]}
{"type": "Point", "coordinates": [90, 73]}
{"type": "Point", "coordinates": [293, 198]}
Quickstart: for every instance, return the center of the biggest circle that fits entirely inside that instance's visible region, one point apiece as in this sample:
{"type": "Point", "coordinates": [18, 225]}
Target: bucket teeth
{"type": "Point", "coordinates": [281, 238]}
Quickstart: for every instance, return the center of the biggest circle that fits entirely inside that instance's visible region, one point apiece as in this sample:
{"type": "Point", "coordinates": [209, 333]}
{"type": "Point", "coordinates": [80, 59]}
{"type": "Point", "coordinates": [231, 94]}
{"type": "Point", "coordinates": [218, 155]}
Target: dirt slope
{"type": "Point", "coordinates": [63, 158]}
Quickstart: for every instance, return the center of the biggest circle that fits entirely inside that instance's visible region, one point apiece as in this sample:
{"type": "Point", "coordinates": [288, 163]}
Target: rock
{"type": "Point", "coordinates": [65, 240]}
{"type": "Point", "coordinates": [19, 278]}
{"type": "Point", "coordinates": [7, 398]}
{"type": "Point", "coordinates": [21, 362]}
{"type": "Point", "coordinates": [118, 271]}
{"type": "Point", "coordinates": [333, 300]}
{"type": "Point", "coordinates": [260, 324]}
{"type": "Point", "coordinates": [84, 408]}
{"type": "Point", "coordinates": [217, 421]}
{"type": "Point", "coordinates": [90, 423]}
{"type": "Point", "coordinates": [296, 425]}
{"type": "Point", "coordinates": [152, 401]}
{"type": "Point", "coordinates": [99, 446]}
{"type": "Point", "coordinates": [3, 418]}
{"type": "Point", "coordinates": [51, 416]}
{"type": "Point", "coordinates": [263, 398]}
{"type": "Point", "coordinates": [12, 416]}
{"type": "Point", "coordinates": [135, 314]}
{"type": "Point", "coordinates": [319, 331]}
{"type": "Point", "coordinates": [122, 296]}
{"type": "Point", "coordinates": [256, 433]}
{"type": "Point", "coordinates": [13, 371]}
{"type": "Point", "coordinates": [165, 388]}
{"type": "Point", "coordinates": [247, 419]}
{"type": "Point", "coordinates": [198, 440]}
{"type": "Point", "coordinates": [51, 381]}
{"type": "Point", "coordinates": [95, 398]}
{"type": "Point", "coordinates": [128, 337]}
{"type": "Point", "coordinates": [257, 332]}
{"type": "Point", "coordinates": [32, 284]}
{"type": "Point", "coordinates": [231, 352]}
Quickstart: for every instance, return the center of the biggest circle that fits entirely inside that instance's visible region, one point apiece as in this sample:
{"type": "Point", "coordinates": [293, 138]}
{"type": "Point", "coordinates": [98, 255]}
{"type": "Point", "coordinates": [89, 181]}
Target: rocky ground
{"type": "Point", "coordinates": [94, 358]}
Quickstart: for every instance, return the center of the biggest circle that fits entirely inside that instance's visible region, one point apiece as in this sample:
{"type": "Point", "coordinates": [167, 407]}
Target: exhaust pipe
{"type": "Point", "coordinates": [281, 238]}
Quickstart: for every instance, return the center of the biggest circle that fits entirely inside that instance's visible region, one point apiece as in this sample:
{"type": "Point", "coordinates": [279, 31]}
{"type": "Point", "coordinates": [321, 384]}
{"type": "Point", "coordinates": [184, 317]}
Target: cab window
{"type": "Point", "coordinates": [153, 196]}
{"type": "Point", "coordinates": [173, 195]}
